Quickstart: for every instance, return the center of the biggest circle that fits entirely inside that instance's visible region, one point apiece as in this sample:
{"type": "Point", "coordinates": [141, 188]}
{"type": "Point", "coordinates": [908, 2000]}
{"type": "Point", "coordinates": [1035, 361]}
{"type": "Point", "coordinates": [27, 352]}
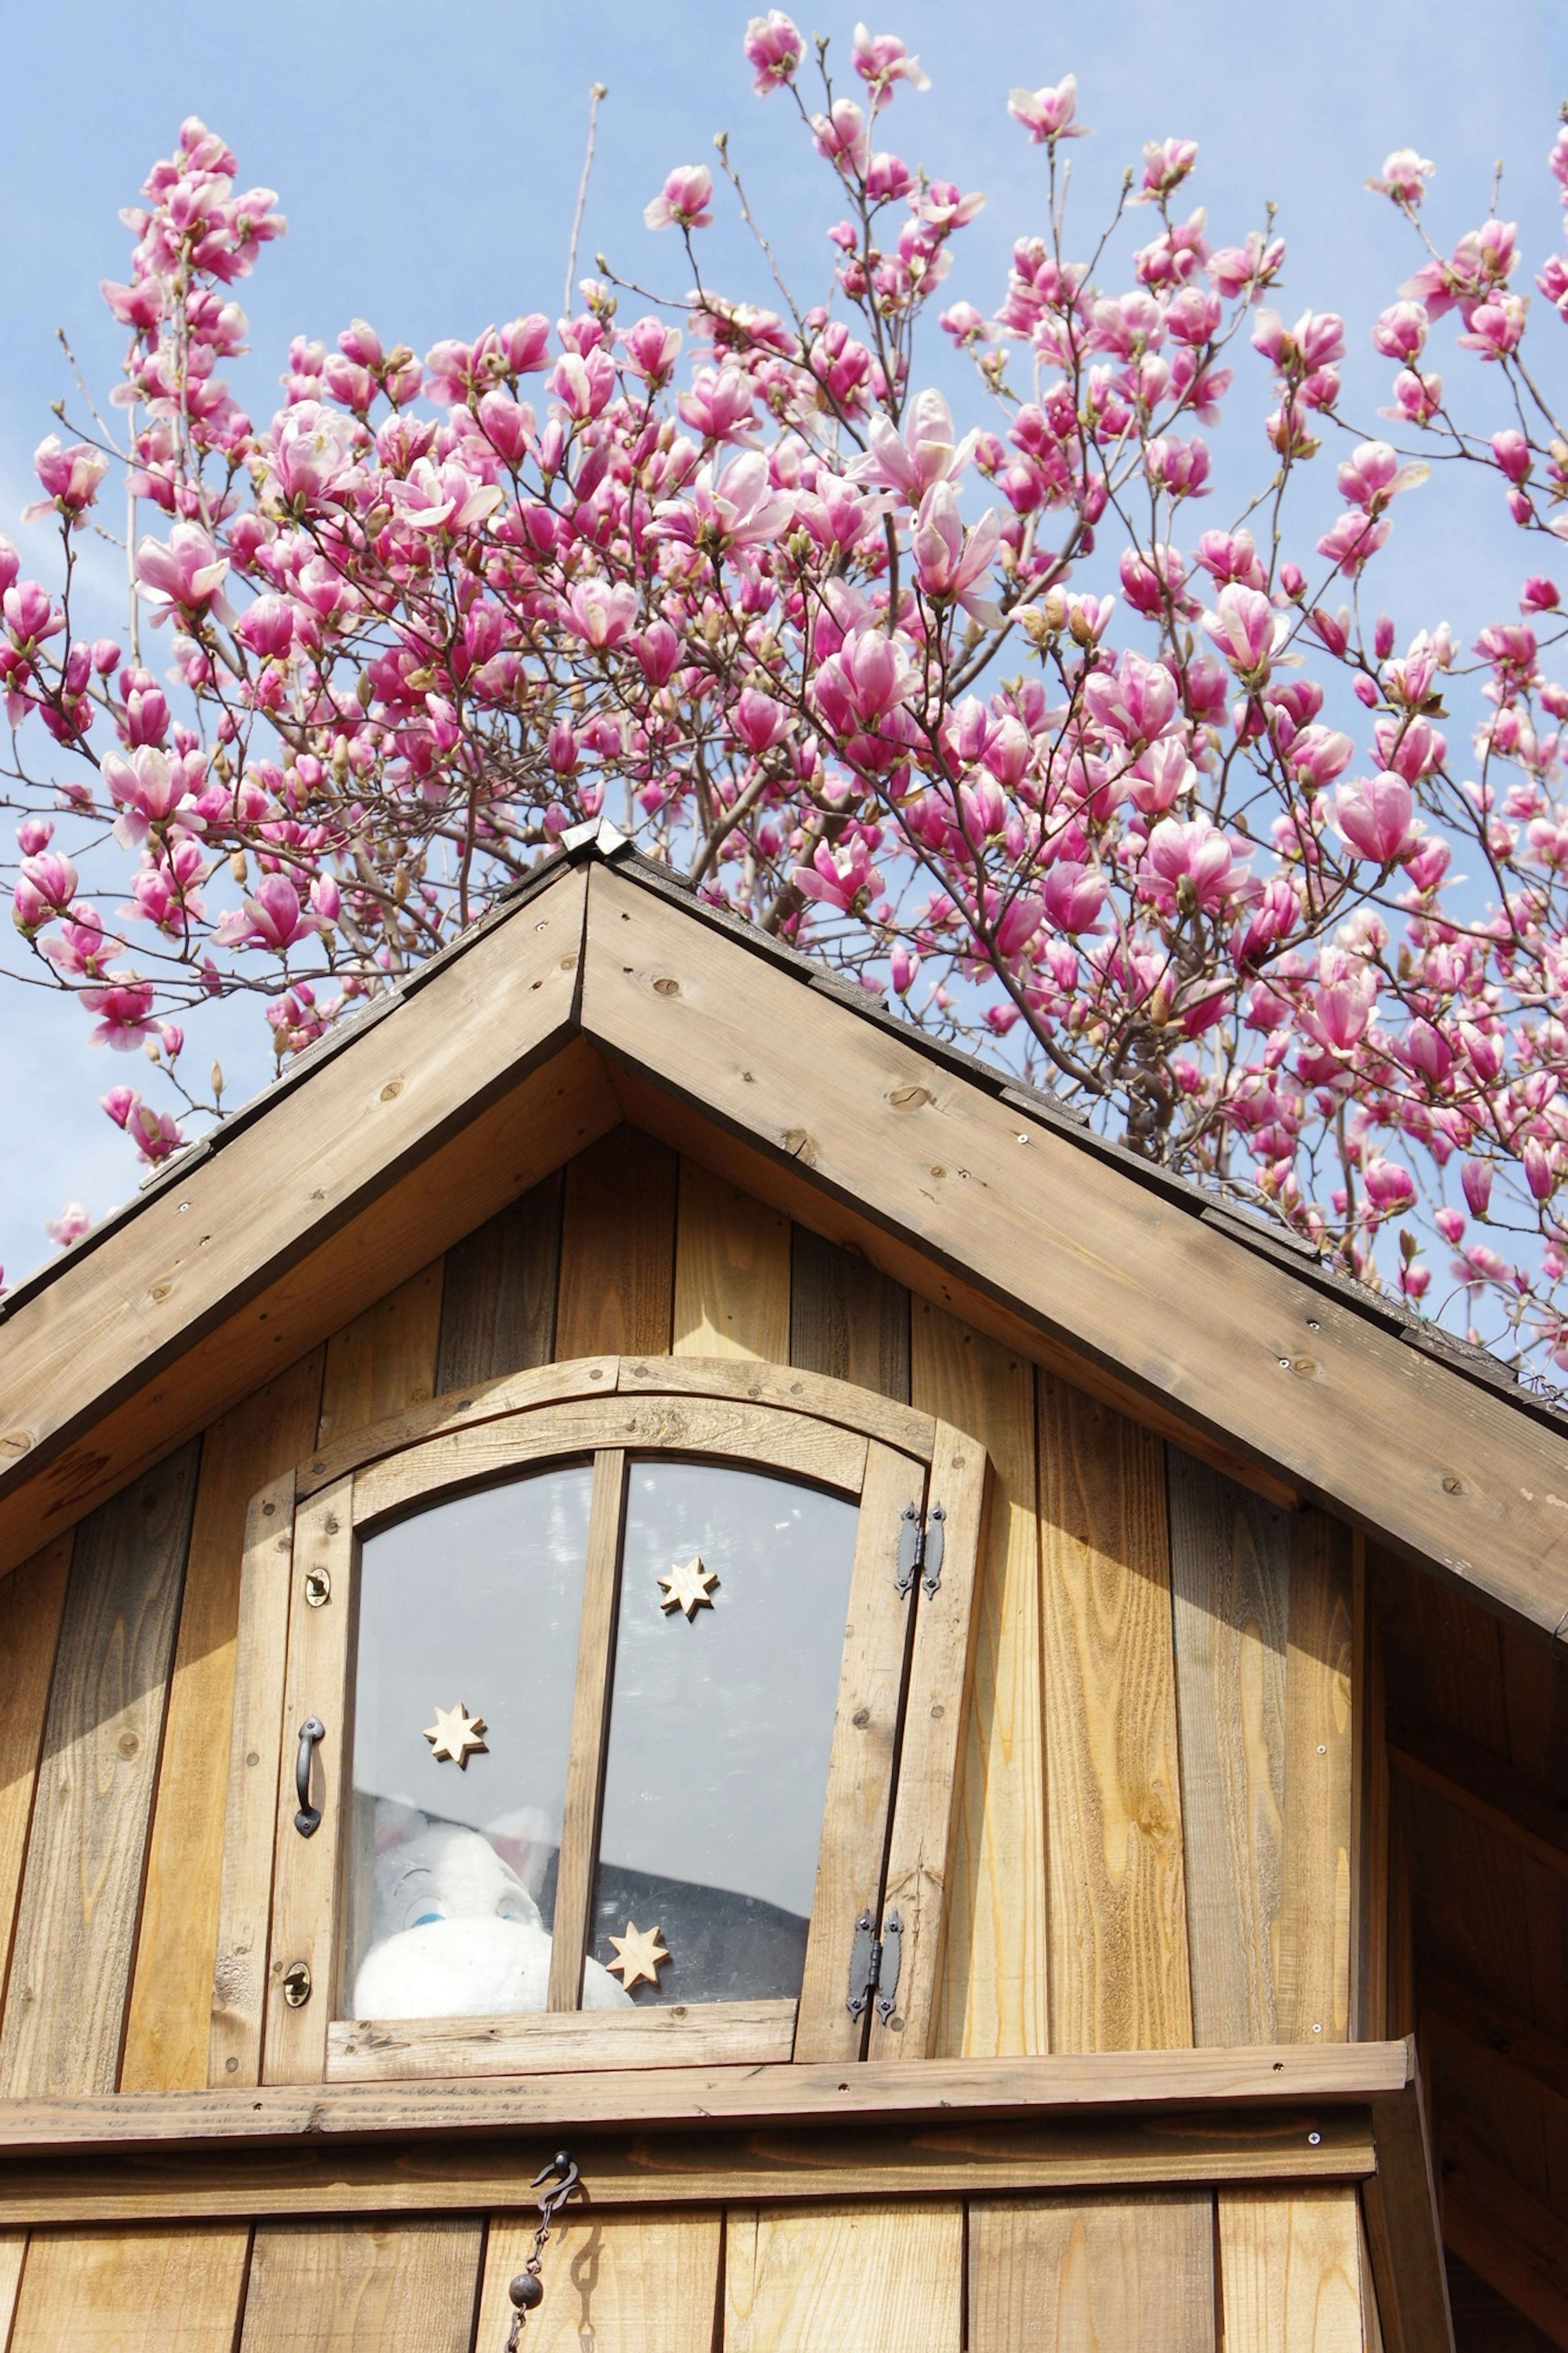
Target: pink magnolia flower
{"type": "Point", "coordinates": [1403, 176]}
{"type": "Point", "coordinates": [44, 887]}
{"type": "Point", "coordinates": [1048, 113]}
{"type": "Point", "coordinates": [736, 508]}
{"type": "Point", "coordinates": [70, 476]}
{"type": "Point", "coordinates": [271, 917]}
{"type": "Point", "coordinates": [951, 561]}
{"type": "Point", "coordinates": [1166, 164]}
{"type": "Point", "coordinates": [69, 1226]}
{"type": "Point", "coordinates": [1390, 1188]}
{"type": "Point", "coordinates": [1401, 332]}
{"type": "Point", "coordinates": [774, 46]}
{"type": "Point", "coordinates": [124, 1011]}
{"type": "Point", "coordinates": [1074, 896]}
{"type": "Point", "coordinates": [443, 499]}
{"type": "Point", "coordinates": [926, 452]}
{"type": "Point", "coordinates": [1375, 817]}
{"type": "Point", "coordinates": [1248, 630]}
{"type": "Point", "coordinates": [309, 459]}
{"type": "Point", "coordinates": [1189, 865]}
{"type": "Point", "coordinates": [1476, 1176]}
{"type": "Point", "coordinates": [1372, 473]}
{"type": "Point", "coordinates": [156, 1133]}
{"type": "Point", "coordinates": [881, 61]}
{"type": "Point", "coordinates": [758, 721]}
{"type": "Point", "coordinates": [184, 577]}
{"type": "Point", "coordinates": [684, 199]}
{"type": "Point", "coordinates": [842, 876]}
{"type": "Point", "coordinates": [842, 138]}
{"type": "Point", "coordinates": [1494, 328]}
{"type": "Point", "coordinates": [601, 612]}
{"type": "Point", "coordinates": [151, 790]}
{"type": "Point", "coordinates": [1353, 540]}
{"type": "Point", "coordinates": [868, 678]}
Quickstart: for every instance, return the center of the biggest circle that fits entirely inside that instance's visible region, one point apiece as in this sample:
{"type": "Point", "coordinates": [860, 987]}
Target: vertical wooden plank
{"type": "Point", "coordinates": [1313, 1984]}
{"type": "Point", "coordinates": [306, 1921]}
{"type": "Point", "coordinates": [1371, 1798]}
{"type": "Point", "coordinates": [732, 1271]}
{"type": "Point", "coordinates": [1290, 2272]}
{"type": "Point", "coordinates": [618, 2283]}
{"type": "Point", "coordinates": [1230, 1589]}
{"type": "Point", "coordinates": [879, 2276]}
{"type": "Point", "coordinates": [498, 1295]}
{"type": "Point", "coordinates": [925, 1808]}
{"type": "Point", "coordinates": [132, 2290]}
{"type": "Point", "coordinates": [995, 1995]}
{"type": "Point", "coordinates": [590, 1724]}
{"type": "Point", "coordinates": [385, 1361]}
{"type": "Point", "coordinates": [254, 1766]}
{"type": "Point", "coordinates": [363, 2287]}
{"type": "Point", "coordinates": [31, 1601]}
{"type": "Point", "coordinates": [13, 2247]}
{"type": "Point", "coordinates": [847, 1318]}
{"type": "Point", "coordinates": [853, 1853]}
{"type": "Point", "coordinates": [76, 1931]}
{"type": "Point", "coordinates": [1133, 2272]}
{"type": "Point", "coordinates": [1118, 1924]}
{"type": "Point", "coordinates": [171, 1996]}
{"type": "Point", "coordinates": [618, 1248]}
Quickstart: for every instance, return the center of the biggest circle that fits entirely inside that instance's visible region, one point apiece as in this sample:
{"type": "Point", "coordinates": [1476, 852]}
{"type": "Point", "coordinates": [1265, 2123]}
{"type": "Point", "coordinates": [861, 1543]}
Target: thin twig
{"type": "Point", "coordinates": [594, 95]}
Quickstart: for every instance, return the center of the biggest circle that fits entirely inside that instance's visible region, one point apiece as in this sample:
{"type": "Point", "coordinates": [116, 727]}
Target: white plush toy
{"type": "Point", "coordinates": [455, 1934]}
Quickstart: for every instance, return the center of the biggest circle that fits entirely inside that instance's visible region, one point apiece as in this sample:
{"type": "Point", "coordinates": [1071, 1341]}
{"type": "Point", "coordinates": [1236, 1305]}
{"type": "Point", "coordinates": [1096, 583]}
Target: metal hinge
{"type": "Point", "coordinates": [919, 1547]}
{"type": "Point", "coordinates": [873, 1966]}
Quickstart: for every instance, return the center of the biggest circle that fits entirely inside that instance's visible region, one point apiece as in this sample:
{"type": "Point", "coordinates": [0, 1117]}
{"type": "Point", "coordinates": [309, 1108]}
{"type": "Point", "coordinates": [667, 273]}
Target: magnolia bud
{"type": "Point", "coordinates": [217, 1081]}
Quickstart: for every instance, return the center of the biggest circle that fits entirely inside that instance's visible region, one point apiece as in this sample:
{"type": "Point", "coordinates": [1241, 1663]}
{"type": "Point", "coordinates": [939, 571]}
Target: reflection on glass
{"type": "Point", "coordinates": [452, 1869]}
{"type": "Point", "coordinates": [720, 1727]}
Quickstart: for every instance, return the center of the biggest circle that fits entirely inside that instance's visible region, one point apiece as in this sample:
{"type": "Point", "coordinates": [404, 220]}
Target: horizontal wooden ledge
{"type": "Point", "coordinates": [1280, 2144]}
{"type": "Point", "coordinates": [1102, 2086]}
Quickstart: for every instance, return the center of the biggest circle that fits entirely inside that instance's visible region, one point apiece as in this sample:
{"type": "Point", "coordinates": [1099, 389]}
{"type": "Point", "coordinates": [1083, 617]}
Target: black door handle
{"type": "Point", "coordinates": [307, 1820]}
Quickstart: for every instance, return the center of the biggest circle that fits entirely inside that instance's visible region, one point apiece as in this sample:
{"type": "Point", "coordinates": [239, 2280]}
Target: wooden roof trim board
{"type": "Point", "coordinates": [343, 1178]}
{"type": "Point", "coordinates": [1331, 1400]}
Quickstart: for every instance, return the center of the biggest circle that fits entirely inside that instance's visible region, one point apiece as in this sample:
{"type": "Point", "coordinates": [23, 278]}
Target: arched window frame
{"type": "Point", "coordinates": [890, 1816]}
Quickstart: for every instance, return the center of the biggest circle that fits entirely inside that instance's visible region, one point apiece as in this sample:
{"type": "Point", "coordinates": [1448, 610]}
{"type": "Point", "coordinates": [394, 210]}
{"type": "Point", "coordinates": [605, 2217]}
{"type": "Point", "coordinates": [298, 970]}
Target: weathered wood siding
{"type": "Point", "coordinates": [1159, 1829]}
{"type": "Point", "coordinates": [1155, 1840]}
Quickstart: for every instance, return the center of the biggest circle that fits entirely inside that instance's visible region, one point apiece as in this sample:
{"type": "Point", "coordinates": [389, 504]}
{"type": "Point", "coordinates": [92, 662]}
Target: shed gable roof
{"type": "Point", "coordinates": [601, 990]}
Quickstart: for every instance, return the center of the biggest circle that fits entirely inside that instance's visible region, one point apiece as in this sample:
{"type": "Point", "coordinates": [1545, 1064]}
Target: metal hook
{"type": "Point", "coordinates": [563, 2171]}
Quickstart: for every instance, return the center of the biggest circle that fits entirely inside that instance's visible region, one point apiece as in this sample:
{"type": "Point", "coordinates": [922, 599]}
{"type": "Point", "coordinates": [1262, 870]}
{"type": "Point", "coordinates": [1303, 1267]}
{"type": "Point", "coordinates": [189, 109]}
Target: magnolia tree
{"type": "Point", "coordinates": [991, 718]}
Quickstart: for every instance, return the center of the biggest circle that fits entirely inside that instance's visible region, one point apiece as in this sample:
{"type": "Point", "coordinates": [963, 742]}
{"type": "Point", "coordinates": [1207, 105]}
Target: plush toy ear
{"type": "Point", "coordinates": [397, 1822]}
{"type": "Point", "coordinates": [524, 1839]}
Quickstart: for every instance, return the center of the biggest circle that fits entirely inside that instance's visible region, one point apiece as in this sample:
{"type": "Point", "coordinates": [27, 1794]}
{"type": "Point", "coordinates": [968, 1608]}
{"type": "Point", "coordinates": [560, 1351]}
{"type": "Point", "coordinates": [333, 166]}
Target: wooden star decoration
{"type": "Point", "coordinates": [455, 1733]}
{"type": "Point", "coordinates": [638, 1956]}
{"type": "Point", "coordinates": [686, 1587]}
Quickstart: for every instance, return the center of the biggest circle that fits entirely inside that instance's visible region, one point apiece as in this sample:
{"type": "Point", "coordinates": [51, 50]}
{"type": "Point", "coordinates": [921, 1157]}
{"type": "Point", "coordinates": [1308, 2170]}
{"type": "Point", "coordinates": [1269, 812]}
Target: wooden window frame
{"type": "Point", "coordinates": [890, 1816]}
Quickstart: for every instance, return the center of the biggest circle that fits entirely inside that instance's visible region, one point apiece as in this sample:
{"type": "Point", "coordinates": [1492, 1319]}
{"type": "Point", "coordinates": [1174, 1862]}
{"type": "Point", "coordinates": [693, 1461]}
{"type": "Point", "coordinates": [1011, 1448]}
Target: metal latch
{"type": "Point", "coordinates": [921, 1544]}
{"type": "Point", "coordinates": [874, 1968]}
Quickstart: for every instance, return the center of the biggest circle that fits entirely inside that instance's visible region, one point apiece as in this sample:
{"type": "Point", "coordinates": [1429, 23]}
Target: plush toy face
{"type": "Point", "coordinates": [456, 1933]}
{"type": "Point", "coordinates": [445, 1873]}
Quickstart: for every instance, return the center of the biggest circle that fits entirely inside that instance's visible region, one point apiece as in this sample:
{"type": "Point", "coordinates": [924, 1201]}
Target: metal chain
{"type": "Point", "coordinates": [527, 2290]}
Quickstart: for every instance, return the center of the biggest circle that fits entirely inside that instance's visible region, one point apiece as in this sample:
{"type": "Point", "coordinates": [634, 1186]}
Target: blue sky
{"type": "Point", "coordinates": [428, 164]}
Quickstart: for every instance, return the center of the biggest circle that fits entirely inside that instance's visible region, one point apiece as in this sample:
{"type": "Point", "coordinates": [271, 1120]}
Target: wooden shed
{"type": "Point", "coordinates": [638, 1565]}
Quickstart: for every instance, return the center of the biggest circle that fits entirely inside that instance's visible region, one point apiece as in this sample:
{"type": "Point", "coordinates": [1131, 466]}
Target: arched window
{"type": "Point", "coordinates": [607, 1715]}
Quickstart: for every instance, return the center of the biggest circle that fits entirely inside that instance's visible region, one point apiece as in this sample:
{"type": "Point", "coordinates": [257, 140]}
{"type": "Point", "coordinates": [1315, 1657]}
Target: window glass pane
{"type": "Point", "coordinates": [721, 1727]}
{"type": "Point", "coordinates": [471, 1606]}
